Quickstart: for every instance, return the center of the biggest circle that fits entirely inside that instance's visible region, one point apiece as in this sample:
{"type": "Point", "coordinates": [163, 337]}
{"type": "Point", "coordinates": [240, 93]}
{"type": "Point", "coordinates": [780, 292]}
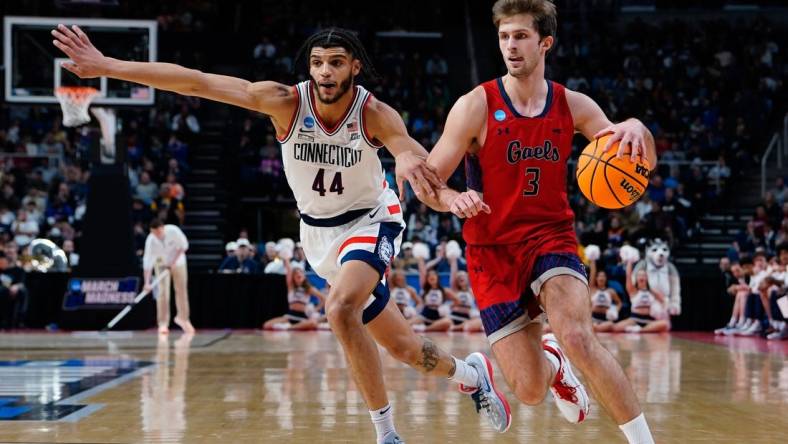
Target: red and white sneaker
{"type": "Point", "coordinates": [570, 395]}
{"type": "Point", "coordinates": [486, 397]}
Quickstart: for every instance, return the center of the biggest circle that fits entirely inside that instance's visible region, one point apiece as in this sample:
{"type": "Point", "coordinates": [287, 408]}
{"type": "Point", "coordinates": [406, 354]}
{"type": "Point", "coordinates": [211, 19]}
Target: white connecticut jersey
{"type": "Point", "coordinates": [331, 170]}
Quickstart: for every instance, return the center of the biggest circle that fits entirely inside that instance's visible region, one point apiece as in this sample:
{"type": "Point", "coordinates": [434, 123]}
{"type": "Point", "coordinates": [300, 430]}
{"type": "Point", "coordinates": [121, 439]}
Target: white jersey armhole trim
{"type": "Point", "coordinates": [363, 122]}
{"type": "Point", "coordinates": [294, 119]}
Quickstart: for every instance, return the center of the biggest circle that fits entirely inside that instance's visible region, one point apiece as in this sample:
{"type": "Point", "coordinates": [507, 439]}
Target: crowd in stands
{"type": "Point", "coordinates": [755, 272]}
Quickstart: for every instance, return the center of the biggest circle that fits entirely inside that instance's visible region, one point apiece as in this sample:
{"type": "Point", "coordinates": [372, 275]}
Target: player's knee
{"type": "Point", "coordinates": [577, 342]}
{"type": "Point", "coordinates": [341, 311]}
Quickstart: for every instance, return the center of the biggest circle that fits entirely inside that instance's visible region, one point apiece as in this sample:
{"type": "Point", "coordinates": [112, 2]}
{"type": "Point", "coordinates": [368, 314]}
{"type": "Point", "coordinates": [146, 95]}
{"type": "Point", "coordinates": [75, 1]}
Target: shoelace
{"type": "Point", "coordinates": [482, 402]}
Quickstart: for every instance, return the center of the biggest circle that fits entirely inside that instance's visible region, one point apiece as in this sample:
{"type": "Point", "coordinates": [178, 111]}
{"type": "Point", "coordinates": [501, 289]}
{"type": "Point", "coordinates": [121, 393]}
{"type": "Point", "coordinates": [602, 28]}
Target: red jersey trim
{"type": "Point", "coordinates": [313, 107]}
{"type": "Point", "coordinates": [291, 126]}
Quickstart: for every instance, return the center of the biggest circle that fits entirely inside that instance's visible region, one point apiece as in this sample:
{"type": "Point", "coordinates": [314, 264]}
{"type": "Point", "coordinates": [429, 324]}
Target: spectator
{"type": "Point", "coordinates": [780, 191]}
{"type": "Point", "coordinates": [7, 218]}
{"type": "Point", "coordinates": [146, 190]}
{"type": "Point", "coordinates": [406, 261]}
{"type": "Point", "coordinates": [422, 225]}
{"type": "Point", "coordinates": [229, 249]}
{"type": "Point", "coordinates": [242, 262]}
{"type": "Point", "coordinates": [441, 264]}
{"type": "Point", "coordinates": [59, 210]}
{"type": "Point", "coordinates": [13, 294]}
{"type": "Point", "coordinates": [176, 190]}
{"type": "Point", "coordinates": [168, 208]}
{"type": "Point", "coordinates": [185, 120]}
{"type": "Point", "coordinates": [24, 229]}
{"type": "Point", "coordinates": [73, 257]}
{"type": "Point", "coordinates": [140, 212]}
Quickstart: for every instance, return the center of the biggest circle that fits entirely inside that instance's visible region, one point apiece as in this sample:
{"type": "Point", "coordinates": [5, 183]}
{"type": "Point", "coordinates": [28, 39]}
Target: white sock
{"type": "Point", "coordinates": [465, 374]}
{"type": "Point", "coordinates": [383, 420]}
{"type": "Point", "coordinates": [637, 431]}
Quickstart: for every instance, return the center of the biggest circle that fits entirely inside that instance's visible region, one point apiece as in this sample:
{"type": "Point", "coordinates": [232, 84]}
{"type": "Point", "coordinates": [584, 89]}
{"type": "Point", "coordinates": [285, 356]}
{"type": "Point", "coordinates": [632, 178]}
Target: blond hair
{"type": "Point", "coordinates": [543, 12]}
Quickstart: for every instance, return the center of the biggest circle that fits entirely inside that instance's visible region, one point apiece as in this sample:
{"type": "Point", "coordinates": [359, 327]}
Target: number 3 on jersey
{"type": "Point", "coordinates": [319, 183]}
{"type": "Point", "coordinates": [532, 174]}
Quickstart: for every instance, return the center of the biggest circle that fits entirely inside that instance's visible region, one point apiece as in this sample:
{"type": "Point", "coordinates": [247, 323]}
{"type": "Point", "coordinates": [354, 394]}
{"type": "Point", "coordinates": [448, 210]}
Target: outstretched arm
{"type": "Point", "coordinates": [386, 125]}
{"type": "Point", "coordinates": [271, 98]}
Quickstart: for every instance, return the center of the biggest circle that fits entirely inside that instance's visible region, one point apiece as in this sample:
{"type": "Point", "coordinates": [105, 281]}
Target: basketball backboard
{"type": "Point", "coordinates": [33, 64]}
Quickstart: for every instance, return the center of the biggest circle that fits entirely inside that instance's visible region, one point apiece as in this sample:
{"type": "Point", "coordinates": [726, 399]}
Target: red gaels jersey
{"type": "Point", "coordinates": [523, 171]}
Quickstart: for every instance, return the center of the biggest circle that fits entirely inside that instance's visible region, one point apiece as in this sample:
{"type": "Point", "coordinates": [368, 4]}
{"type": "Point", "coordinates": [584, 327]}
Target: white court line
{"type": "Point", "coordinates": [81, 413]}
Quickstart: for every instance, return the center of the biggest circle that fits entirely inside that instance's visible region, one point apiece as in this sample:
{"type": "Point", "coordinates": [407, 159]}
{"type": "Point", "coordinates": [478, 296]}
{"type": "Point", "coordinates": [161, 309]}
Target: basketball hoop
{"type": "Point", "coordinates": [74, 101]}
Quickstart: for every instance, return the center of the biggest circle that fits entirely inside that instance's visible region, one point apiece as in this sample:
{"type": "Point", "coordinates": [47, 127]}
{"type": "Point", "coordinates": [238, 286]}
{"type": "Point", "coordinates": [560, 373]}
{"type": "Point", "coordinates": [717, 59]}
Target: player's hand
{"type": "Point", "coordinates": [630, 132]}
{"type": "Point", "coordinates": [147, 288]}
{"type": "Point", "coordinates": [86, 61]}
{"type": "Point", "coordinates": [674, 310]}
{"type": "Point", "coordinates": [421, 176]}
{"type": "Point", "coordinates": [469, 204]}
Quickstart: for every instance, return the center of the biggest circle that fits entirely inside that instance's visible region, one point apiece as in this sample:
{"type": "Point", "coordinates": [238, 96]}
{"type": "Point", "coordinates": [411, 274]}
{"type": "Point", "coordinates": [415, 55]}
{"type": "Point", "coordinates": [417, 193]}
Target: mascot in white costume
{"type": "Point", "coordinates": [663, 277]}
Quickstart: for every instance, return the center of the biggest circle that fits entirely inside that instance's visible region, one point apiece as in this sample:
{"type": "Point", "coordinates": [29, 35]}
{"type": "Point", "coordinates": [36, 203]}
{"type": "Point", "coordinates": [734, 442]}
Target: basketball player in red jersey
{"type": "Point", "coordinates": [516, 133]}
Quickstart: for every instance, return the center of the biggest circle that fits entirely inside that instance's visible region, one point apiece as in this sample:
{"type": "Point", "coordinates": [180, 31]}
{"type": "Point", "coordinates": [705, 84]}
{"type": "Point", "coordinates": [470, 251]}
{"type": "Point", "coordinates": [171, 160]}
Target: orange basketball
{"type": "Point", "coordinates": [607, 181]}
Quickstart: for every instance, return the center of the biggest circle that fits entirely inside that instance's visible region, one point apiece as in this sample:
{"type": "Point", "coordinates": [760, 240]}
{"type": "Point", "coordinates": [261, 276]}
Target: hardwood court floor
{"type": "Point", "coordinates": [283, 387]}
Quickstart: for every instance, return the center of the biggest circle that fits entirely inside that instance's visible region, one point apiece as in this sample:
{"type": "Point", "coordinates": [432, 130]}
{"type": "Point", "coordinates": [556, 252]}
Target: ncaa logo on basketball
{"type": "Point", "coordinates": [385, 250]}
{"type": "Point", "coordinates": [499, 115]}
{"type": "Point", "coordinates": [309, 122]}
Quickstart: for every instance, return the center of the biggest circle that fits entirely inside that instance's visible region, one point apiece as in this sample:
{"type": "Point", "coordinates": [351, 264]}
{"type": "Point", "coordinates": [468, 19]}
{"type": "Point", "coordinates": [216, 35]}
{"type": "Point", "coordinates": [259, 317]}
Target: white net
{"type": "Point", "coordinates": [74, 101]}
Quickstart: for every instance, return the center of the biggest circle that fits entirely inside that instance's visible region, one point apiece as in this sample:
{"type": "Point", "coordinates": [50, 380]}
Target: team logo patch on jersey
{"type": "Point", "coordinates": [499, 115]}
{"type": "Point", "coordinates": [309, 122]}
{"type": "Point", "coordinates": [385, 250]}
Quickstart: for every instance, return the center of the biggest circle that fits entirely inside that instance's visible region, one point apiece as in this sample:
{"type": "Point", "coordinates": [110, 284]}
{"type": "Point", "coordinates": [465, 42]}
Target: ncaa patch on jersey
{"type": "Point", "coordinates": [499, 115]}
{"type": "Point", "coordinates": [385, 250]}
{"type": "Point", "coordinates": [309, 122]}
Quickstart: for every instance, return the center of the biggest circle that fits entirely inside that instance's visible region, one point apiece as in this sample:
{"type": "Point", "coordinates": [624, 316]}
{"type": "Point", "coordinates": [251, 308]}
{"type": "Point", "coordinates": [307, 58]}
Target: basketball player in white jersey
{"type": "Point", "coordinates": [351, 223]}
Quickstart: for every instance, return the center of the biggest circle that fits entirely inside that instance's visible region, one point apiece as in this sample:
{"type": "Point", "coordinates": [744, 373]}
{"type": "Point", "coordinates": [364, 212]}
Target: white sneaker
{"type": "Point", "coordinates": [486, 397]}
{"type": "Point", "coordinates": [754, 329]}
{"type": "Point", "coordinates": [721, 331]}
{"type": "Point", "coordinates": [779, 335]}
{"type": "Point", "coordinates": [740, 327]}
{"type": "Point", "coordinates": [391, 438]}
{"type": "Point", "coordinates": [570, 395]}
{"type": "Point", "coordinates": [281, 326]}
{"type": "Point", "coordinates": [633, 329]}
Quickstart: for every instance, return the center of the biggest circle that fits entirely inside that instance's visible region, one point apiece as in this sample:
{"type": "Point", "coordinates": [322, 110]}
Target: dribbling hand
{"type": "Point", "coordinates": [86, 61]}
{"type": "Point", "coordinates": [469, 204]}
{"type": "Point", "coordinates": [630, 133]}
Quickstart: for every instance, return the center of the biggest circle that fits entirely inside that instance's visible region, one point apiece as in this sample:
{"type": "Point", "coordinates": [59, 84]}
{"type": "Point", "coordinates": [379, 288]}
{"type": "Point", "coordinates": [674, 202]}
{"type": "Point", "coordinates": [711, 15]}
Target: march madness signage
{"type": "Point", "coordinates": [100, 293]}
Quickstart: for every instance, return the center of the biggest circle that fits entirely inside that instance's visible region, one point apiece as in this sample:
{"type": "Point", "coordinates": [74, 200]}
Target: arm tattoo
{"type": "Point", "coordinates": [429, 356]}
